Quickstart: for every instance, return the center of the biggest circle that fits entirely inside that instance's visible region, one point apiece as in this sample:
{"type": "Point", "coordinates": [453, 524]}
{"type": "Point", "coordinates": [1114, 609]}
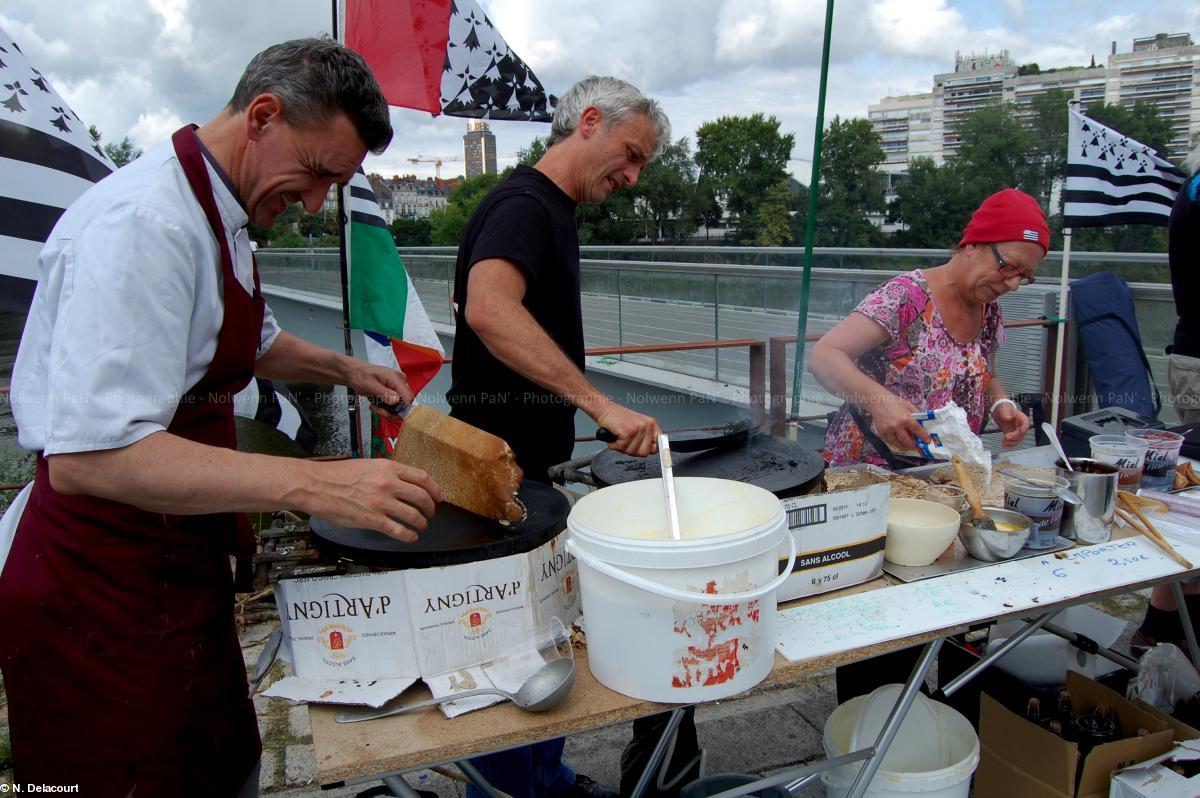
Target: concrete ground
{"type": "Point", "coordinates": [767, 732]}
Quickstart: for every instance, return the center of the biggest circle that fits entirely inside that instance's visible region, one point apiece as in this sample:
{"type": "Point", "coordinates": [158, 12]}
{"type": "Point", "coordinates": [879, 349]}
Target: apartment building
{"type": "Point", "coordinates": [1163, 69]}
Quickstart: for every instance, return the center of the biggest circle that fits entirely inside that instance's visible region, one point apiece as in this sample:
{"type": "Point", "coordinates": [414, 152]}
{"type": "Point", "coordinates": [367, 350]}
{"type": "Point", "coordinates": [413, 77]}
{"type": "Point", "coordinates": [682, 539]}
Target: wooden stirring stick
{"type": "Point", "coordinates": [1151, 530]}
{"type": "Point", "coordinates": [981, 519]}
{"type": "Point", "coordinates": [1130, 521]}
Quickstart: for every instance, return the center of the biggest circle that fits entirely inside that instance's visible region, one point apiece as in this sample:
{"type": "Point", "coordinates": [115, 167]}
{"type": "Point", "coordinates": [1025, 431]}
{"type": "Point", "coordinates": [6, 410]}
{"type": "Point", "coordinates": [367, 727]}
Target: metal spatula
{"type": "Point", "coordinates": [981, 519]}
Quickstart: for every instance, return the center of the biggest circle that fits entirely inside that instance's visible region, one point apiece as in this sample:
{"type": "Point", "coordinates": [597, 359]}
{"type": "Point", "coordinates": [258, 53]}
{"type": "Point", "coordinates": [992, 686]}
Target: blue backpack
{"type": "Point", "coordinates": [1108, 331]}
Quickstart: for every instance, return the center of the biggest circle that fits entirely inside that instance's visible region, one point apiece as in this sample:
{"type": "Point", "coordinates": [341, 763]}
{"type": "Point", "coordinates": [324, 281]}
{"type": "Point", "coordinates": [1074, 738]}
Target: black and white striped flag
{"type": "Point", "coordinates": [1113, 179]}
{"type": "Point", "coordinates": [47, 159]}
{"type": "Point", "coordinates": [271, 403]}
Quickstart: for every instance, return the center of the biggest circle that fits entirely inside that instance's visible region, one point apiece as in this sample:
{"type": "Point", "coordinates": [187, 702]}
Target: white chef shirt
{"type": "Point", "coordinates": [128, 308]}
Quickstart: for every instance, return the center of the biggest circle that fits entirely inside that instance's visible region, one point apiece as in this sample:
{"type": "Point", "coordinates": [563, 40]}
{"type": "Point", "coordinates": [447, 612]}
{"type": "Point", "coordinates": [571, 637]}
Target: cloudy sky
{"type": "Point", "coordinates": [144, 67]}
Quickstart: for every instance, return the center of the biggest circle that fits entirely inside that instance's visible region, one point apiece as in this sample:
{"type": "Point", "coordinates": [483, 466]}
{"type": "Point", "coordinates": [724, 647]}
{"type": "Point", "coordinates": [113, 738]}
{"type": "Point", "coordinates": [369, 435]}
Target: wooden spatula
{"type": "Point", "coordinates": [982, 520]}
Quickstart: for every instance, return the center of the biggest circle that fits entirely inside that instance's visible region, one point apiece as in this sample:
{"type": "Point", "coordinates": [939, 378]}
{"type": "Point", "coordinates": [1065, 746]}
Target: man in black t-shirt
{"type": "Point", "coordinates": [518, 369]}
{"type": "Point", "coordinates": [518, 350]}
{"type": "Point", "coordinates": [1162, 623]}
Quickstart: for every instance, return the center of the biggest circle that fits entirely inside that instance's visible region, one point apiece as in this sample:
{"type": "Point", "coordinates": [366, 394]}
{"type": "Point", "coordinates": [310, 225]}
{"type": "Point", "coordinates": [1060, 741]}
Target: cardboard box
{"type": "Point", "coordinates": [1021, 758]}
{"type": "Point", "coordinates": [1182, 730]}
{"type": "Point", "coordinates": [839, 536]}
{"type": "Point", "coordinates": [424, 622]}
{"type": "Point", "coordinates": [1152, 779]}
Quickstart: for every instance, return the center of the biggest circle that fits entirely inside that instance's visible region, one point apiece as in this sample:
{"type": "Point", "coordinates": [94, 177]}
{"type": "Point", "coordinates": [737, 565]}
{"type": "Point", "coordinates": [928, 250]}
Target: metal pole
{"type": "Point", "coordinates": [344, 269]}
{"type": "Point", "coordinates": [996, 653]}
{"type": "Point", "coordinates": [1185, 616]}
{"type": "Point", "coordinates": [1056, 409]}
{"type": "Point", "coordinates": [1056, 406]}
{"type": "Point", "coordinates": [863, 780]}
{"type": "Point", "coordinates": [476, 778]}
{"type": "Point", "coordinates": [814, 187]}
{"type": "Point", "coordinates": [660, 751]}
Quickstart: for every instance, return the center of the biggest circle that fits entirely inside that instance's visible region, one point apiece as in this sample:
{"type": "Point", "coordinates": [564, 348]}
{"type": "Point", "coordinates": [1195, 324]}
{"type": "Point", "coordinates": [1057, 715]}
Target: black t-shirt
{"type": "Point", "coordinates": [528, 221]}
{"type": "Point", "coordinates": [1183, 231]}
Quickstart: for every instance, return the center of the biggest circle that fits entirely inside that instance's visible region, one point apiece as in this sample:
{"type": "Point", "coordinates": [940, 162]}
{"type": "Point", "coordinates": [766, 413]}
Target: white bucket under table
{"type": "Point", "coordinates": [935, 752]}
{"type": "Point", "coordinates": [680, 621]}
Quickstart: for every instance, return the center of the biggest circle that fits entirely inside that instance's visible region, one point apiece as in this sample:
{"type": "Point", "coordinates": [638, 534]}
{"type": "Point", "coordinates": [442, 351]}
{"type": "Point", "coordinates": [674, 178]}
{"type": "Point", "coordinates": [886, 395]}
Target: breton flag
{"type": "Point", "coordinates": [444, 57]}
{"type": "Point", "coordinates": [384, 304]}
{"type": "Point", "coordinates": [47, 159]}
{"type": "Point", "coordinates": [1113, 179]}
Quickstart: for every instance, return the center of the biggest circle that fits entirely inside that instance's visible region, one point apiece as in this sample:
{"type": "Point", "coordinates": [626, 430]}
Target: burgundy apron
{"type": "Point", "coordinates": [121, 662]}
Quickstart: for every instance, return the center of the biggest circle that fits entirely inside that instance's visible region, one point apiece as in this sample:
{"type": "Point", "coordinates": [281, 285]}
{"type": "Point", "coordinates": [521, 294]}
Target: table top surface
{"type": "Point", "coordinates": [350, 752]}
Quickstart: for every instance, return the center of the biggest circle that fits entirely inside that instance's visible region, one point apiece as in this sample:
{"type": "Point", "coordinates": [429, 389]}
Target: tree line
{"type": "Point", "coordinates": [736, 182]}
{"type": "Point", "coordinates": [735, 189]}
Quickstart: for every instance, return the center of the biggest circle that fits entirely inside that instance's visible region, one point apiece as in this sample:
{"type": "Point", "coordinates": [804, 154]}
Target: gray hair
{"type": "Point", "coordinates": [314, 79]}
{"type": "Point", "coordinates": [617, 101]}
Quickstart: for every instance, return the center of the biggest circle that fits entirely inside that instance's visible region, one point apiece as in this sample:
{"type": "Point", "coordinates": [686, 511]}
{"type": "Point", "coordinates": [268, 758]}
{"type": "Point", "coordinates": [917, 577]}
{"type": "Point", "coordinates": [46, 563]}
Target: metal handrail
{"type": "Point", "coordinates": [1053, 256]}
{"type": "Point", "coordinates": [731, 292]}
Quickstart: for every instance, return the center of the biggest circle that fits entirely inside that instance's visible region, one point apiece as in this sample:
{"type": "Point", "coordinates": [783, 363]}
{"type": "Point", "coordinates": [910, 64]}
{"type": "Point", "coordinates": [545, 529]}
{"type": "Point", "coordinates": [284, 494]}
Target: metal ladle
{"type": "Point", "coordinates": [547, 687]}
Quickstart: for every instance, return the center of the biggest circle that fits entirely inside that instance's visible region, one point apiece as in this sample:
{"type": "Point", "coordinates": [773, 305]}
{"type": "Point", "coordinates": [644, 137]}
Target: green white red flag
{"type": "Point", "coordinates": [384, 304]}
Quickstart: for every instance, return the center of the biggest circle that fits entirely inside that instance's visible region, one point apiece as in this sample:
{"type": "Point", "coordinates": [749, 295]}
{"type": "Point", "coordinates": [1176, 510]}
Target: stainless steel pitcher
{"type": "Point", "coordinates": [1096, 483]}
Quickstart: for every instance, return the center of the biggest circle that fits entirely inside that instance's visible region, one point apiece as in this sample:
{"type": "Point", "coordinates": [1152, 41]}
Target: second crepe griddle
{"type": "Point", "coordinates": [786, 468]}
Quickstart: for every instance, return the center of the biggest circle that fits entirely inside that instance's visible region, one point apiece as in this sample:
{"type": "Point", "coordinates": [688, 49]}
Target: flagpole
{"type": "Point", "coordinates": [814, 189]}
{"type": "Point", "coordinates": [1061, 339]}
{"type": "Point", "coordinates": [344, 270]}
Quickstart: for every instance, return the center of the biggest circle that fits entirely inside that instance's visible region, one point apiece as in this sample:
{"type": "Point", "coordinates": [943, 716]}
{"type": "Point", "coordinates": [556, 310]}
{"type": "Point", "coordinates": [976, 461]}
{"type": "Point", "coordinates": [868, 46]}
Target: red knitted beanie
{"type": "Point", "coordinates": [1008, 215]}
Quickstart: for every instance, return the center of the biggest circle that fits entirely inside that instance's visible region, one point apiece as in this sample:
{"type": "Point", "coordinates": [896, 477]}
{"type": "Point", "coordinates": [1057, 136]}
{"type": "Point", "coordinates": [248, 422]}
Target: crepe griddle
{"type": "Point", "coordinates": [786, 468]}
{"type": "Point", "coordinates": [454, 535]}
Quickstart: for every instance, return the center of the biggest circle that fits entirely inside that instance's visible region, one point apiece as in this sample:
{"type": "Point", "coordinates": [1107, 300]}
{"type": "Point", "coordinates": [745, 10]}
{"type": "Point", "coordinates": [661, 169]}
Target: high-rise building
{"type": "Point", "coordinates": [479, 149]}
{"type": "Point", "coordinates": [1163, 69]}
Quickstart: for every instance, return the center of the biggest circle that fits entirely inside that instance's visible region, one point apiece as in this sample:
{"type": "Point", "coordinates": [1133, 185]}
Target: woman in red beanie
{"type": "Point", "coordinates": [929, 337]}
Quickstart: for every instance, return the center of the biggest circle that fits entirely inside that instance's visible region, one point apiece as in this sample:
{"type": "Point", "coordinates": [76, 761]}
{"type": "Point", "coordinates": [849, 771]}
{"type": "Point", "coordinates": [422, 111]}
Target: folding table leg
{"type": "Point", "coordinates": [970, 673]}
{"type": "Point", "coordinates": [888, 732]}
{"type": "Point", "coordinates": [399, 787]}
{"type": "Point", "coordinates": [1186, 619]}
{"type": "Point", "coordinates": [1085, 643]}
{"type": "Point", "coordinates": [476, 778]}
{"type": "Point", "coordinates": [660, 751]}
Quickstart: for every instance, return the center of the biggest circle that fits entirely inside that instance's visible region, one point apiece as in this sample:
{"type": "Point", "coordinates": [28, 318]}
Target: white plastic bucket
{"type": "Point", "coordinates": [937, 757]}
{"type": "Point", "coordinates": [654, 631]}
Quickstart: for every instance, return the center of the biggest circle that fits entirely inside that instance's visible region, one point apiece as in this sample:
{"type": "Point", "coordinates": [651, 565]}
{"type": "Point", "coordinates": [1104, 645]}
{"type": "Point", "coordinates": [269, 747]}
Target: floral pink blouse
{"type": "Point", "coordinates": [921, 362]}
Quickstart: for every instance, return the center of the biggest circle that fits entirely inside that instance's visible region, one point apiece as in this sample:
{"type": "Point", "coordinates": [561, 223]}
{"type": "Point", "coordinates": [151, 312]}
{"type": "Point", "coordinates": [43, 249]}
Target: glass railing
{"type": "Point", "coordinates": [653, 295]}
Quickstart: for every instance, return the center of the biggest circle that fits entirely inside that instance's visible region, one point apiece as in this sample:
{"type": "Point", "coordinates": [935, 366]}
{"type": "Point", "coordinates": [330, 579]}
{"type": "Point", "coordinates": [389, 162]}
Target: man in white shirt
{"type": "Point", "coordinates": [120, 662]}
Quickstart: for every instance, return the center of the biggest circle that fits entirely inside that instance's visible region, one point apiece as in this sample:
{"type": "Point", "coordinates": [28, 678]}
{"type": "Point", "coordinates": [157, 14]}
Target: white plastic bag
{"type": "Point", "coordinates": [951, 435]}
{"type": "Point", "coordinates": [1164, 678]}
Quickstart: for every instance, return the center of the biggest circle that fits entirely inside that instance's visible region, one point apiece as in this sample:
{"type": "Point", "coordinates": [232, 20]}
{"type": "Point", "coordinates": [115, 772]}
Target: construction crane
{"type": "Point", "coordinates": [437, 164]}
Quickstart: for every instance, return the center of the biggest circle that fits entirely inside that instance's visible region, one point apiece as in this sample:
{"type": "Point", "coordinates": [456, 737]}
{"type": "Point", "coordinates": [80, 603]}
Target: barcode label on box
{"type": "Point", "coordinates": [806, 516]}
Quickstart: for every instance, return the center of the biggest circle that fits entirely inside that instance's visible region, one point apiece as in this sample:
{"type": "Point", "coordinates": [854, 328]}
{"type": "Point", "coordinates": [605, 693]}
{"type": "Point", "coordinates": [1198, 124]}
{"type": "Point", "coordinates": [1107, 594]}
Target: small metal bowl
{"type": "Point", "coordinates": [994, 545]}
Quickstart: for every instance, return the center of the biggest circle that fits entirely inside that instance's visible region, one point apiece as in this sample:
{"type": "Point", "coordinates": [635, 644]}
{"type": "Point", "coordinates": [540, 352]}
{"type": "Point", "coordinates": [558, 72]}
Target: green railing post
{"type": "Point", "coordinates": [814, 188]}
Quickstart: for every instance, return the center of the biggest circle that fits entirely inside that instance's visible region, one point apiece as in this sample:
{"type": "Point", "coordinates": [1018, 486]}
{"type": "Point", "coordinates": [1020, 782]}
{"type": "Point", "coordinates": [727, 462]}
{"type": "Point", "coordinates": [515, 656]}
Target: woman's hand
{"type": "Point", "coordinates": [892, 418]}
{"type": "Point", "coordinates": [1012, 422]}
